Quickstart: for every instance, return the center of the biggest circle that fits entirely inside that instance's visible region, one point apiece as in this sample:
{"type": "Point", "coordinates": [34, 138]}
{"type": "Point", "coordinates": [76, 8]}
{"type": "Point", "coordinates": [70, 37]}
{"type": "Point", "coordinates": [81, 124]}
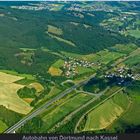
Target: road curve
{"type": "Point", "coordinates": [31, 115]}
{"type": "Point", "coordinates": [120, 89]}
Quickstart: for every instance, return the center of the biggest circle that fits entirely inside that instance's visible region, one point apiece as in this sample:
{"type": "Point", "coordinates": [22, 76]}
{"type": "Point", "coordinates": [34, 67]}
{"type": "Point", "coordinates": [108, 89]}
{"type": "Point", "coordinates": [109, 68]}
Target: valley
{"type": "Point", "coordinates": [69, 67]}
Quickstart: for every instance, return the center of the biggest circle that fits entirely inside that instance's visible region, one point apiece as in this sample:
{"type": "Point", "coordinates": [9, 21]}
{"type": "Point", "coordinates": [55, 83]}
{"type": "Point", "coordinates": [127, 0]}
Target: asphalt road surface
{"type": "Point", "coordinates": [33, 114]}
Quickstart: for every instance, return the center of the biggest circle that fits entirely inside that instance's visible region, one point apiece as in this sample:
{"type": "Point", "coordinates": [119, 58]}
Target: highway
{"type": "Point", "coordinates": [69, 116]}
{"type": "Point", "coordinates": [42, 108]}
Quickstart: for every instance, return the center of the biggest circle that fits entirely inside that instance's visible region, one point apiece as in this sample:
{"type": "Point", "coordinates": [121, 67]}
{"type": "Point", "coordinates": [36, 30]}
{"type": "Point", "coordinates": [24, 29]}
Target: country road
{"type": "Point", "coordinates": [97, 106]}
{"type": "Point", "coordinates": [45, 106]}
{"type": "Point", "coordinates": [69, 116]}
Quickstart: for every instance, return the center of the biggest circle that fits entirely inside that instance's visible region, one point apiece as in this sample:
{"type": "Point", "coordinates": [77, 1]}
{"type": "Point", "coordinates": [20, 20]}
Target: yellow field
{"type": "Point", "coordinates": [55, 71]}
{"type": "Point", "coordinates": [2, 15]}
{"type": "Point", "coordinates": [8, 94]}
{"type": "Point", "coordinates": [87, 26]}
{"type": "Point", "coordinates": [28, 100]}
{"type": "Point", "coordinates": [74, 23]}
{"type": "Point", "coordinates": [54, 30]}
{"type": "Point", "coordinates": [37, 86]}
{"type": "Point", "coordinates": [8, 78]}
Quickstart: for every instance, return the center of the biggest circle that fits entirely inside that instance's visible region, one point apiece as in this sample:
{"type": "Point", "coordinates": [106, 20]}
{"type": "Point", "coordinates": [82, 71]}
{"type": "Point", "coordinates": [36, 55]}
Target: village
{"type": "Point", "coordinates": [123, 23]}
{"type": "Point", "coordinates": [71, 64]}
{"type": "Point", "coordinates": [121, 76]}
{"type": "Point", "coordinates": [37, 6]}
{"type": "Point", "coordinates": [91, 7]}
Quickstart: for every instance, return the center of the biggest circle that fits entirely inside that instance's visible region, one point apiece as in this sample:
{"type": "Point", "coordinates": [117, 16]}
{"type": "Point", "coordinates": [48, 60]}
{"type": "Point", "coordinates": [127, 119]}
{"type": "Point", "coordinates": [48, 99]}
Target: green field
{"type": "Point", "coordinates": [122, 100]}
{"type": "Point", "coordinates": [128, 48]}
{"type": "Point", "coordinates": [107, 56]}
{"type": "Point", "coordinates": [73, 58]}
{"type": "Point", "coordinates": [111, 90]}
{"type": "Point", "coordinates": [89, 57]}
{"type": "Point", "coordinates": [59, 63]}
{"type": "Point", "coordinates": [53, 93]}
{"type": "Point", "coordinates": [104, 56]}
{"type": "Point", "coordinates": [64, 109]}
{"type": "Point", "coordinates": [70, 43]}
{"type": "Point", "coordinates": [113, 21]}
{"type": "Point", "coordinates": [8, 117]}
{"type": "Point", "coordinates": [133, 60]}
{"type": "Point", "coordinates": [107, 113]}
{"type": "Point", "coordinates": [134, 33]}
{"type": "Point", "coordinates": [132, 116]}
{"type": "Point", "coordinates": [82, 70]}
{"type": "Point", "coordinates": [3, 126]}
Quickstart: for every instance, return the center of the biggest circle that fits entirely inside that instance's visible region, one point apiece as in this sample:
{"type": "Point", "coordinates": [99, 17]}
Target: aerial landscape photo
{"type": "Point", "coordinates": [69, 67]}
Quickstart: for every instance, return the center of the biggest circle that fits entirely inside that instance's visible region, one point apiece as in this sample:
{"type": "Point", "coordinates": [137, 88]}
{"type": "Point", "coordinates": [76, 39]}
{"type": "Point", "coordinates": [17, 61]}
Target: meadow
{"type": "Point", "coordinates": [107, 113]}
{"type": "Point", "coordinates": [82, 70]}
{"type": "Point", "coordinates": [132, 116]}
{"type": "Point", "coordinates": [69, 43]}
{"type": "Point", "coordinates": [107, 56]}
{"type": "Point", "coordinates": [54, 91]}
{"type": "Point", "coordinates": [89, 57]}
{"type": "Point", "coordinates": [133, 60]}
{"type": "Point", "coordinates": [3, 126]}
{"type": "Point", "coordinates": [133, 92]}
{"type": "Point", "coordinates": [33, 44]}
{"type": "Point", "coordinates": [135, 33]}
{"type": "Point", "coordinates": [126, 49]}
{"type": "Point", "coordinates": [104, 56]}
{"type": "Point", "coordinates": [8, 117]}
{"type": "Point", "coordinates": [64, 109]}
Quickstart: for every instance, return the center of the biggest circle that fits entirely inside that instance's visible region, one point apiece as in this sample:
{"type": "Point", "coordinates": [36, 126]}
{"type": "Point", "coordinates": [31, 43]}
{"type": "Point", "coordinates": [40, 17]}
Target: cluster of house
{"type": "Point", "coordinates": [92, 7]}
{"type": "Point", "coordinates": [28, 7]}
{"type": "Point", "coordinates": [120, 76]}
{"type": "Point", "coordinates": [137, 76]}
{"type": "Point", "coordinates": [35, 7]}
{"type": "Point", "coordinates": [125, 23]}
{"type": "Point", "coordinates": [71, 64]}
